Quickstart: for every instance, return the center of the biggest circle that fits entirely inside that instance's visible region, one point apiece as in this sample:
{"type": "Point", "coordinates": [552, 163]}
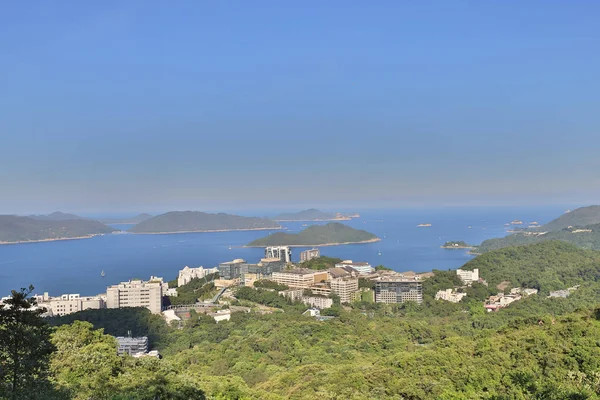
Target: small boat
{"type": "Point", "coordinates": [379, 253]}
{"type": "Point", "coordinates": [102, 274]}
{"type": "Point", "coordinates": [229, 247]}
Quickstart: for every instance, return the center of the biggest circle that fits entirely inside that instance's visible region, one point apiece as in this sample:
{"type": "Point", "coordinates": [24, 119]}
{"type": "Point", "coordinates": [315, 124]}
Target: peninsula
{"type": "Point", "coordinates": [580, 227]}
{"type": "Point", "coordinates": [15, 229]}
{"type": "Point", "coordinates": [334, 233]}
{"type": "Point", "coordinates": [315, 215]}
{"type": "Point", "coordinates": [456, 245]}
{"type": "Point", "coordinates": [195, 221]}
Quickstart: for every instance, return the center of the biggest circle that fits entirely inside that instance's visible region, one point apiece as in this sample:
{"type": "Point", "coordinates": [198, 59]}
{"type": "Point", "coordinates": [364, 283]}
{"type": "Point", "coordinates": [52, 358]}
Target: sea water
{"type": "Point", "coordinates": [75, 266]}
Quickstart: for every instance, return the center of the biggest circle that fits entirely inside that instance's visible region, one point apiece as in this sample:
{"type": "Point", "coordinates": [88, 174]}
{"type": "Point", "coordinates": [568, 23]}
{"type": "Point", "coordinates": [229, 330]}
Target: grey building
{"type": "Point", "coordinates": [282, 253]}
{"type": "Point", "coordinates": [398, 290]}
{"type": "Point", "coordinates": [307, 255]}
{"type": "Point", "coordinates": [132, 345]}
{"type": "Point", "coordinates": [263, 268]}
{"type": "Point", "coordinates": [231, 269]}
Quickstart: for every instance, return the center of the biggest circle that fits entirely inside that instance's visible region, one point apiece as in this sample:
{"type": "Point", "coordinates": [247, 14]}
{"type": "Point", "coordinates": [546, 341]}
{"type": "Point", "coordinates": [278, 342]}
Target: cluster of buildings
{"type": "Point", "coordinates": [494, 303]}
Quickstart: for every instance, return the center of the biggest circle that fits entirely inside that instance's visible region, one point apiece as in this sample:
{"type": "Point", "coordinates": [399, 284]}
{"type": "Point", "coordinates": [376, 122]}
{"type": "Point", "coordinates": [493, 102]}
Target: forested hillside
{"type": "Point", "coordinates": [23, 229]}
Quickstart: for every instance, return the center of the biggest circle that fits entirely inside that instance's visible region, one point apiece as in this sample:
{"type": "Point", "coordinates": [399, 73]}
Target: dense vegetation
{"type": "Point", "coordinates": [190, 221]}
{"type": "Point", "coordinates": [55, 216]}
{"type": "Point", "coordinates": [316, 235]}
{"type": "Point", "coordinates": [308, 215]}
{"type": "Point", "coordinates": [21, 229]}
{"type": "Point", "coordinates": [322, 262]}
{"type": "Point", "coordinates": [194, 290]}
{"type": "Point", "coordinates": [537, 348]}
{"type": "Point", "coordinates": [545, 266]}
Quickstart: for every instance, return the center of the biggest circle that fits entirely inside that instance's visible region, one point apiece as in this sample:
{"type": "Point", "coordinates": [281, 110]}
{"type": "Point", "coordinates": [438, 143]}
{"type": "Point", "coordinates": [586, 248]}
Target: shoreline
{"type": "Point", "coordinates": [453, 247]}
{"type": "Point", "coordinates": [52, 239]}
{"type": "Point", "coordinates": [375, 240]}
{"type": "Point", "coordinates": [206, 231]}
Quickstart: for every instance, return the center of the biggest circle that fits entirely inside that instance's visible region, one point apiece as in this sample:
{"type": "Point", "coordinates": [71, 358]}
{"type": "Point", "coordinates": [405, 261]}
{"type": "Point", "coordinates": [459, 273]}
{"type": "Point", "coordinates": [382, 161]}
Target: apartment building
{"type": "Point", "coordinates": [468, 277]}
{"type": "Point", "coordinates": [398, 290]}
{"type": "Point", "coordinates": [187, 274]}
{"type": "Point", "coordinates": [300, 278]}
{"type": "Point", "coordinates": [307, 255]}
{"type": "Point", "coordinates": [317, 301]}
{"type": "Point", "coordinates": [449, 295]}
{"type": "Point", "coordinates": [137, 293]}
{"type": "Point", "coordinates": [361, 267]}
{"type": "Point", "coordinates": [282, 253]}
{"type": "Point", "coordinates": [132, 345]}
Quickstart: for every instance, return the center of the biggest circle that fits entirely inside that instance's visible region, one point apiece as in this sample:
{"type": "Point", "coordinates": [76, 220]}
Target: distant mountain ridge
{"type": "Point", "coordinates": [312, 214]}
{"type": "Point", "coordinates": [55, 216]}
{"type": "Point", "coordinates": [15, 229]}
{"type": "Point", "coordinates": [579, 217]}
{"type": "Point", "coordinates": [317, 235]}
{"type": "Point", "coordinates": [132, 220]}
{"type": "Point", "coordinates": [196, 221]}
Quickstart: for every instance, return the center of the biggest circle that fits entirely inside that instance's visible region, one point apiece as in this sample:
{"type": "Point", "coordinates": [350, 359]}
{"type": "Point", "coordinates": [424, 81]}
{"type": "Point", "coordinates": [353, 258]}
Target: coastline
{"type": "Point", "coordinates": [374, 240]}
{"type": "Point", "coordinates": [456, 247]}
{"type": "Point", "coordinates": [206, 231]}
{"type": "Point", "coordinates": [52, 239]}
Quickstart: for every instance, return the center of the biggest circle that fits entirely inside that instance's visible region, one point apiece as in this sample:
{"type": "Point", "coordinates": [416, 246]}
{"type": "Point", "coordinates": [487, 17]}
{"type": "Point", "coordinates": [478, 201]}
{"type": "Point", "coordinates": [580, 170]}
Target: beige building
{"type": "Point", "coordinates": [71, 303]}
{"type": "Point", "coordinates": [317, 302]}
{"type": "Point", "coordinates": [344, 287]}
{"type": "Point", "coordinates": [187, 274]}
{"type": "Point", "coordinates": [307, 255]}
{"type": "Point", "coordinates": [398, 290]}
{"type": "Point", "coordinates": [137, 293]}
{"type": "Point", "coordinates": [468, 277]}
{"type": "Point", "coordinates": [449, 295]}
{"type": "Point", "coordinates": [300, 278]}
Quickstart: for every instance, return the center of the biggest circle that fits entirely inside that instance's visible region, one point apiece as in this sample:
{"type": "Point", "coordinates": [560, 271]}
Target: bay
{"type": "Point", "coordinates": [74, 266]}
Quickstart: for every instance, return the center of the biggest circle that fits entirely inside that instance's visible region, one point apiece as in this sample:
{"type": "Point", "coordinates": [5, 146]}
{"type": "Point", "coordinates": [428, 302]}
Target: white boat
{"type": "Point", "coordinates": [102, 274]}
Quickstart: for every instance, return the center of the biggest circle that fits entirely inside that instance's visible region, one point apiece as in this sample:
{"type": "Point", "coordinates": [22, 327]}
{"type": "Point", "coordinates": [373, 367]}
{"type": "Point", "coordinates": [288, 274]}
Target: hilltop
{"type": "Point", "coordinates": [312, 215]}
{"type": "Point", "coordinates": [579, 217]}
{"type": "Point", "coordinates": [133, 220]}
{"type": "Point", "coordinates": [195, 221]}
{"type": "Point", "coordinates": [317, 235]}
{"type": "Point", "coordinates": [55, 216]}
{"type": "Point", "coordinates": [14, 229]}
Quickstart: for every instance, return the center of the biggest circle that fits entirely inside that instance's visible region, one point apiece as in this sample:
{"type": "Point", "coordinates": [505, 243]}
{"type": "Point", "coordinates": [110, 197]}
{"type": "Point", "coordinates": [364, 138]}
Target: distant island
{"type": "Point", "coordinates": [423, 225]}
{"type": "Point", "coordinates": [333, 233]}
{"type": "Point", "coordinates": [15, 229]}
{"type": "Point", "coordinates": [580, 227]}
{"type": "Point", "coordinates": [456, 245]}
{"type": "Point", "coordinates": [195, 221]}
{"type": "Point", "coordinates": [315, 215]}
{"type": "Point", "coordinates": [132, 220]}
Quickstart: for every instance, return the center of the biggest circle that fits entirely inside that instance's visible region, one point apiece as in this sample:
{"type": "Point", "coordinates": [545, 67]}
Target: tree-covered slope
{"type": "Point", "coordinates": [55, 216]}
{"type": "Point", "coordinates": [316, 235]}
{"type": "Point", "coordinates": [133, 220]}
{"type": "Point", "coordinates": [547, 266]}
{"type": "Point", "coordinates": [22, 229]}
{"type": "Point", "coordinates": [195, 221]}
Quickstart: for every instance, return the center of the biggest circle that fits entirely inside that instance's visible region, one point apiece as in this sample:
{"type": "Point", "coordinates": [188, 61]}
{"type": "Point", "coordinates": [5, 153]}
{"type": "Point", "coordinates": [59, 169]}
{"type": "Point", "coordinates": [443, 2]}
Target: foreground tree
{"type": "Point", "coordinates": [25, 348]}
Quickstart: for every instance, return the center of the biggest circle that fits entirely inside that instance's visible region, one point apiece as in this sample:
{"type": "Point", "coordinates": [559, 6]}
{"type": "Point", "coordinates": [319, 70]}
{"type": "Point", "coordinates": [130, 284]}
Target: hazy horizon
{"type": "Point", "coordinates": [142, 106]}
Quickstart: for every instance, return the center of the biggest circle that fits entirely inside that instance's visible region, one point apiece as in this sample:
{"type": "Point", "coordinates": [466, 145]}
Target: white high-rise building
{"type": "Point", "coordinates": [187, 274]}
{"type": "Point", "coordinates": [137, 293]}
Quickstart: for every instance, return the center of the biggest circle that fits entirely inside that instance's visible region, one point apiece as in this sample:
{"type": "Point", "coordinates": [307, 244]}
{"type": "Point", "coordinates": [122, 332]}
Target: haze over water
{"type": "Point", "coordinates": [74, 266]}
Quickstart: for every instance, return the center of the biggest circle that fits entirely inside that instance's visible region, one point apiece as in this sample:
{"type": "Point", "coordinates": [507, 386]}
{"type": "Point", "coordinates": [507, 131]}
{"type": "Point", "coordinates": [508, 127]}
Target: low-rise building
{"type": "Point", "coordinates": [361, 267]}
{"type": "Point", "coordinates": [137, 293]}
{"type": "Point", "coordinates": [187, 274]}
{"type": "Point", "coordinates": [221, 315]}
{"type": "Point", "coordinates": [300, 278]}
{"type": "Point", "coordinates": [317, 301]}
{"type": "Point", "coordinates": [307, 255]}
{"type": "Point", "coordinates": [71, 303]}
{"type": "Point", "coordinates": [398, 290]}
{"type": "Point", "coordinates": [449, 295]}
{"type": "Point", "coordinates": [468, 277]}
{"type": "Point", "coordinates": [132, 345]}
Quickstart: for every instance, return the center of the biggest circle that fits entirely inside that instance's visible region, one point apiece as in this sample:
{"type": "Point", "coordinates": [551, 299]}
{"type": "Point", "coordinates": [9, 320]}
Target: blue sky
{"type": "Point", "coordinates": [150, 106]}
